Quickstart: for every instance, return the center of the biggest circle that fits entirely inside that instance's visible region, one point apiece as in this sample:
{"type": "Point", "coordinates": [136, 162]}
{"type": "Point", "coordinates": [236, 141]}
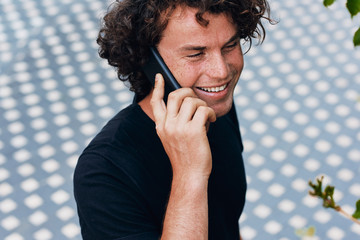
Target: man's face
{"type": "Point", "coordinates": [207, 59]}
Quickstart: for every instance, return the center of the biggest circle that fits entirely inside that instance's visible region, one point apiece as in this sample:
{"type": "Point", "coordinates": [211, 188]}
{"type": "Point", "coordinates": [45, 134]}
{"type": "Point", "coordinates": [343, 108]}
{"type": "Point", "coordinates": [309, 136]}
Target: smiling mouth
{"type": "Point", "coordinates": [214, 89]}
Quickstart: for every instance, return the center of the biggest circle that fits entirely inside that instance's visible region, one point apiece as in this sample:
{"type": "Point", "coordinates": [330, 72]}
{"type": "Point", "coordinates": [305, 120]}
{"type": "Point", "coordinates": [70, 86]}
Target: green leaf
{"type": "Point", "coordinates": [356, 39]}
{"type": "Point", "coordinates": [328, 2]}
{"type": "Point", "coordinates": [357, 211]}
{"type": "Point", "coordinates": [353, 6]}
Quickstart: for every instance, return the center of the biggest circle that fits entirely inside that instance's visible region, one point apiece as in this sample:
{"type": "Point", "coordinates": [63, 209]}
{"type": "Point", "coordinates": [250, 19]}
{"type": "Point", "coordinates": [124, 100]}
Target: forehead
{"type": "Point", "coordinates": [183, 25]}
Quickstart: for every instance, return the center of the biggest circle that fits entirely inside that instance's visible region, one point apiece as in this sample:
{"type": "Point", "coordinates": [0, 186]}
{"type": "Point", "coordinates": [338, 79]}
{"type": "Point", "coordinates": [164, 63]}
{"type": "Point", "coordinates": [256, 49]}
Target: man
{"type": "Point", "coordinates": [170, 170]}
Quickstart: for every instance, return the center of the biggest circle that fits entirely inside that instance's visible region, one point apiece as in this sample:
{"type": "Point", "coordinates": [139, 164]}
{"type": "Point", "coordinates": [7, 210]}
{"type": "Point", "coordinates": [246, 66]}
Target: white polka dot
{"type": "Point", "coordinates": [69, 147]}
{"type": "Point", "coordinates": [46, 151]}
{"type": "Point", "coordinates": [292, 106]}
{"type": "Point", "coordinates": [26, 170]}
{"type": "Point", "coordinates": [274, 82]}
{"type": "Point", "coordinates": [312, 165]}
{"type": "Point", "coordinates": [355, 189]}
{"type": "Point", "coordinates": [35, 111]}
{"type": "Point", "coordinates": [248, 145]}
{"type": "Point", "coordinates": [265, 175]}
{"type": "Point", "coordinates": [259, 127]}
{"type": "Point", "coordinates": [271, 109]}
{"type": "Point", "coordinates": [256, 160]}
{"type": "Point", "coordinates": [268, 141]}
{"type": "Point", "coordinates": [282, 93]}
{"type": "Point", "coordinates": [70, 230]}
{"type": "Point", "coordinates": [322, 216]}
{"type": "Point", "coordinates": [30, 185]}
{"type": "Point", "coordinates": [252, 195]}
{"type": "Point", "coordinates": [53, 96]}
{"type": "Point", "coordinates": [262, 97]}
{"type": "Point", "coordinates": [50, 165]}
{"type": "Point", "coordinates": [352, 123]}
{"type": "Point", "coordinates": [310, 201]}
{"type": "Point", "coordinates": [276, 190]}
{"type": "Point", "coordinates": [335, 233]}
{"type": "Point", "coordinates": [301, 118]}
{"type": "Point", "coordinates": [65, 213]}
{"type": "Point", "coordinates": [262, 211]}
{"type": "Point", "coordinates": [65, 133]}
{"type": "Point", "coordinates": [345, 174]}
{"type": "Point", "coordinates": [288, 170]}
{"type": "Point", "coordinates": [332, 98]}
{"type": "Point", "coordinates": [322, 146]}
{"type": "Point", "coordinates": [280, 123]}
{"type": "Point", "coordinates": [302, 90]}
{"type": "Point", "coordinates": [278, 155]}
{"type": "Point", "coordinates": [16, 127]}
{"type": "Point", "coordinates": [290, 136]}
{"type": "Point", "coordinates": [19, 141]}
{"type": "Point", "coordinates": [254, 85]}
{"type": "Point", "coordinates": [55, 180]}
{"type": "Point", "coordinates": [62, 120]}
{"type": "Point", "coordinates": [22, 155]}
{"type": "Point", "coordinates": [299, 185]}
{"type": "Point", "coordinates": [12, 115]}
{"type": "Point", "coordinates": [321, 114]}
{"type": "Point", "coordinates": [102, 100]}
{"type": "Point", "coordinates": [342, 110]}
{"type": "Point", "coordinates": [80, 104]}
{"type": "Point", "coordinates": [273, 227]}
{"type": "Point", "coordinates": [38, 123]}
{"type": "Point", "coordinates": [354, 155]}
{"type": "Point", "coordinates": [7, 205]}
{"type": "Point", "coordinates": [341, 82]}
{"type": "Point", "coordinates": [312, 75]}
{"type": "Point", "coordinates": [247, 232]}
{"type": "Point", "coordinates": [344, 141]}
{"type": "Point", "coordinates": [334, 160]}
{"type": "Point", "coordinates": [286, 205]}
{"type": "Point", "coordinates": [9, 223]}
{"type": "Point", "coordinates": [60, 197]}
{"type": "Point", "coordinates": [250, 114]}
{"type": "Point", "coordinates": [33, 201]}
{"type": "Point", "coordinates": [332, 127]}
{"type": "Point", "coordinates": [42, 137]}
{"type": "Point", "coordinates": [301, 150]}
{"type": "Point", "coordinates": [38, 218]}
{"type": "Point", "coordinates": [297, 221]}
{"type": "Point", "coordinates": [43, 234]}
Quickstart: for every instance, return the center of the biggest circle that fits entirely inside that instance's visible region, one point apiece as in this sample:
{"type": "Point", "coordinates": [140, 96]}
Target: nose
{"type": "Point", "coordinates": [217, 66]}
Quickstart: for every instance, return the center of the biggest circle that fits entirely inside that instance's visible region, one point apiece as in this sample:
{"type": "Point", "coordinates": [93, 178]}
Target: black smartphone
{"type": "Point", "coordinates": [156, 64]}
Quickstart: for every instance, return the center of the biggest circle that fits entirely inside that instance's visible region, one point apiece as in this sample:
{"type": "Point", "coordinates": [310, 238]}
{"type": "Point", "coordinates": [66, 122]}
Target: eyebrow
{"type": "Point", "coordinates": [201, 48]}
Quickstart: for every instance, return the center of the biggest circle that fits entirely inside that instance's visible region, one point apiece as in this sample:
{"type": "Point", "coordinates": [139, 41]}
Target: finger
{"type": "Point", "coordinates": [157, 99]}
{"type": "Point", "coordinates": [189, 107]}
{"type": "Point", "coordinates": [204, 114]}
{"type": "Point", "coordinates": [176, 99]}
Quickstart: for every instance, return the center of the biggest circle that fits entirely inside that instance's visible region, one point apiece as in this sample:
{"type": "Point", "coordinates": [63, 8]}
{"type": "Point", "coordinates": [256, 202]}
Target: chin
{"type": "Point", "coordinates": [222, 109]}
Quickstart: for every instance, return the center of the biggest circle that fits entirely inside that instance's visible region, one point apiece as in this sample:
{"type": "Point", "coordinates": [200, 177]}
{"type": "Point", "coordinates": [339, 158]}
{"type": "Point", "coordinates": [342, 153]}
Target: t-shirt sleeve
{"type": "Point", "coordinates": [110, 205]}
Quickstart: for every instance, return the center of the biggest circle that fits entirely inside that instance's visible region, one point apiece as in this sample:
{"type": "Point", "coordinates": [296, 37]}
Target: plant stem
{"type": "Point", "coordinates": [347, 215]}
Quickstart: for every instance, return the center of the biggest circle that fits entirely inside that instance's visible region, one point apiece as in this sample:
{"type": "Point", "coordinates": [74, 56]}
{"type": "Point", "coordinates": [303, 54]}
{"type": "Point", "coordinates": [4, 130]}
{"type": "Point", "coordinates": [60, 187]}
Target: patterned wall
{"type": "Point", "coordinates": [297, 101]}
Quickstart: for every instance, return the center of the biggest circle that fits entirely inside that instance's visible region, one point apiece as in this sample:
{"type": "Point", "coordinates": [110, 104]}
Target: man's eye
{"type": "Point", "coordinates": [195, 55]}
{"type": "Point", "coordinates": [231, 46]}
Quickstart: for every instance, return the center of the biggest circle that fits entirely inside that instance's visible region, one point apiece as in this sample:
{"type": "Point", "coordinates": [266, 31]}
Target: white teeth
{"type": "Point", "coordinates": [214, 89]}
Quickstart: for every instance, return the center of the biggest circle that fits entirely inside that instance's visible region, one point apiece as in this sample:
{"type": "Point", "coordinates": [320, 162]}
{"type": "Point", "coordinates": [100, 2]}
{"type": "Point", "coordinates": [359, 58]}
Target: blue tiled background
{"type": "Point", "coordinates": [298, 103]}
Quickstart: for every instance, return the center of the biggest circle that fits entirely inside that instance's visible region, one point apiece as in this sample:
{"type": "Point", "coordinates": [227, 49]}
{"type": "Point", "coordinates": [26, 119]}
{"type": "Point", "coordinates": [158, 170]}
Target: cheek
{"type": "Point", "coordinates": [185, 75]}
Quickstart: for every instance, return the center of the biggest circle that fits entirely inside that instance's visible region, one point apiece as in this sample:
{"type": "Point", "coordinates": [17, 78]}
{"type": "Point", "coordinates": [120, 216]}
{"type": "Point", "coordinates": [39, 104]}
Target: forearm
{"type": "Point", "coordinates": [187, 211]}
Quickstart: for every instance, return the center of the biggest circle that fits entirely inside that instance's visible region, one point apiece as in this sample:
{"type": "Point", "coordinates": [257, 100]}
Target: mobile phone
{"type": "Point", "coordinates": [156, 64]}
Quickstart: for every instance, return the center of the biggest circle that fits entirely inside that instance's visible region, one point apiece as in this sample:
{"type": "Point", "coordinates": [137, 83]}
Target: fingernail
{"type": "Point", "coordinates": [157, 77]}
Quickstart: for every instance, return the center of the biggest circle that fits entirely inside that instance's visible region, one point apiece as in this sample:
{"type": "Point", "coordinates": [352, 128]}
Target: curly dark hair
{"type": "Point", "coordinates": [131, 26]}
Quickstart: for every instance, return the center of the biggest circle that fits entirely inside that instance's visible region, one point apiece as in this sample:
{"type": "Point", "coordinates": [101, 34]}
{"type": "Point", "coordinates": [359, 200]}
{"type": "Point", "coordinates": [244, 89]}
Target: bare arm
{"type": "Point", "coordinates": [181, 126]}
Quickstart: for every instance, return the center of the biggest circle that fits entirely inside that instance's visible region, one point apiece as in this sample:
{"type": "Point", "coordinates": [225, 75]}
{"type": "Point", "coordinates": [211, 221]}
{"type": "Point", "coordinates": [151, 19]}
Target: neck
{"type": "Point", "coordinates": [145, 106]}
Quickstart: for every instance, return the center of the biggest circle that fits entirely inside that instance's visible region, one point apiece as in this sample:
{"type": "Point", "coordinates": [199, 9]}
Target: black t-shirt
{"type": "Point", "coordinates": [122, 179]}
